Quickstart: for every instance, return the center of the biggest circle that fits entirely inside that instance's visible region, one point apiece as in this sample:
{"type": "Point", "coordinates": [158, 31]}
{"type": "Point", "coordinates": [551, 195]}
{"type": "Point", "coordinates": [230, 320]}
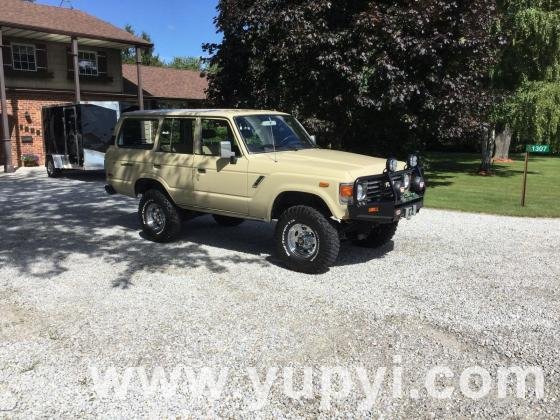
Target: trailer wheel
{"type": "Point", "coordinates": [52, 171]}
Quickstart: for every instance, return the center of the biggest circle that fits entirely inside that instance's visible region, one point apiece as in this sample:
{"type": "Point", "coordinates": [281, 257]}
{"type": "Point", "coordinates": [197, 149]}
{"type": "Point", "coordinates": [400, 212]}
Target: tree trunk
{"type": "Point", "coordinates": [503, 141]}
{"type": "Point", "coordinates": [487, 151]}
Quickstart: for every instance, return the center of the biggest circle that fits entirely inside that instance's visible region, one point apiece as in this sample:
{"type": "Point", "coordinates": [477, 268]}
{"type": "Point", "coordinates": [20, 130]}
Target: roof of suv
{"type": "Point", "coordinates": [205, 112]}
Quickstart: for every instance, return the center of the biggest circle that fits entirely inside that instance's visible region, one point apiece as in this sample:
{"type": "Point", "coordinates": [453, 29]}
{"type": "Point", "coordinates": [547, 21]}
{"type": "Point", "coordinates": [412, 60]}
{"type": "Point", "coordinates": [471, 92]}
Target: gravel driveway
{"type": "Point", "coordinates": [83, 294]}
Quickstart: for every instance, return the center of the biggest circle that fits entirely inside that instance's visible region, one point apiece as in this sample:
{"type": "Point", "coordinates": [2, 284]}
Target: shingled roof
{"type": "Point", "coordinates": [161, 82]}
{"type": "Point", "coordinates": [27, 16]}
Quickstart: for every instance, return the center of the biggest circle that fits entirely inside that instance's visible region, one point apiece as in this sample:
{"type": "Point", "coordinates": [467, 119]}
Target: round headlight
{"type": "Point", "coordinates": [361, 192]}
{"type": "Point", "coordinates": [412, 161]}
{"type": "Point", "coordinates": [406, 181]}
{"type": "Point", "coordinates": [392, 165]}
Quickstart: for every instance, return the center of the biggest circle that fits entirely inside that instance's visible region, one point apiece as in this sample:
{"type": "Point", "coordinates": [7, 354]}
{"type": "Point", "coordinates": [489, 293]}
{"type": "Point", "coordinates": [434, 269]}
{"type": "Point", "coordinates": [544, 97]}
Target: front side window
{"type": "Point", "coordinates": [177, 135]}
{"type": "Point", "coordinates": [87, 63]}
{"type": "Point", "coordinates": [137, 133]}
{"type": "Point", "coordinates": [267, 133]}
{"type": "Point", "coordinates": [24, 57]}
{"type": "Point", "coordinates": [213, 133]}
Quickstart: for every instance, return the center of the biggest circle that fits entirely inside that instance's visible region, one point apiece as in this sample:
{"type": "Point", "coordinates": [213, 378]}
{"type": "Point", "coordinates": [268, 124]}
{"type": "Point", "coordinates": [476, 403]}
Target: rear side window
{"type": "Point", "coordinates": [177, 135]}
{"type": "Point", "coordinates": [138, 133]}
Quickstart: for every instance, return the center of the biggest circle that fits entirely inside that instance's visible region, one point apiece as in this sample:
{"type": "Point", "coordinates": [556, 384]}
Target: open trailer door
{"type": "Point", "coordinates": [96, 128]}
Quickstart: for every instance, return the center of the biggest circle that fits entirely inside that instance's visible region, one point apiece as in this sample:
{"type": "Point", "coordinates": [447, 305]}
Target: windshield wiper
{"type": "Point", "coordinates": [289, 146]}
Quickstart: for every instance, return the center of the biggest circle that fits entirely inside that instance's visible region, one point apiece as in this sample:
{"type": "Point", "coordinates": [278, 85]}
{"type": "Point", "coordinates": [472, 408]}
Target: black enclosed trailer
{"type": "Point", "coordinates": [77, 135]}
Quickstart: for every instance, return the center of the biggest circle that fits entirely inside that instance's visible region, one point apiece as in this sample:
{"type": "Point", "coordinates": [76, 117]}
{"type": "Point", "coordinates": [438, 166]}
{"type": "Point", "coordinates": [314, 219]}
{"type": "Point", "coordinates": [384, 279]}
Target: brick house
{"type": "Point", "coordinates": [52, 55]}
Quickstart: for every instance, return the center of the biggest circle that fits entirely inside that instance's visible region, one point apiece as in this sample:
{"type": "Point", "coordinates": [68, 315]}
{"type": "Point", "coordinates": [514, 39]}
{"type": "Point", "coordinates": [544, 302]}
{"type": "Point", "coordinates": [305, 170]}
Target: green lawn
{"type": "Point", "coordinates": [453, 183]}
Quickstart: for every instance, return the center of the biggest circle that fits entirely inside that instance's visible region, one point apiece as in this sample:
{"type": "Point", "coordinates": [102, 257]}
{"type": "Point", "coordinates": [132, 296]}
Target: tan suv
{"type": "Point", "coordinates": [259, 165]}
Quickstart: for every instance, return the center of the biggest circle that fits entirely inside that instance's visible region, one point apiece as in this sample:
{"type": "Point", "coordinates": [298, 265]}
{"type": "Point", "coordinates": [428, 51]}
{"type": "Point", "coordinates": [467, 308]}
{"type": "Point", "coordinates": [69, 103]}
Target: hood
{"type": "Point", "coordinates": [321, 161]}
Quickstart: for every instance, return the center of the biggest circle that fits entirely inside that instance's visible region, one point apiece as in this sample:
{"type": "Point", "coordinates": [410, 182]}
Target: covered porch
{"type": "Point", "coordinates": [73, 40]}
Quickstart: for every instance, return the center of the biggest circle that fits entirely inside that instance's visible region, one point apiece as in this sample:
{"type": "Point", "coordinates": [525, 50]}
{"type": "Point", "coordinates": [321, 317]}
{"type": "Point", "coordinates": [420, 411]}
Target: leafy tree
{"type": "Point", "coordinates": [374, 76]}
{"type": "Point", "coordinates": [529, 74]}
{"type": "Point", "coordinates": [149, 58]}
{"type": "Point", "coordinates": [186, 63]}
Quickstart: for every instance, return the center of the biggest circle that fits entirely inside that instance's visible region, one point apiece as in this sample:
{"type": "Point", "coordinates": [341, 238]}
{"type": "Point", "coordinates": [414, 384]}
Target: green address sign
{"type": "Point", "coordinates": [538, 148]}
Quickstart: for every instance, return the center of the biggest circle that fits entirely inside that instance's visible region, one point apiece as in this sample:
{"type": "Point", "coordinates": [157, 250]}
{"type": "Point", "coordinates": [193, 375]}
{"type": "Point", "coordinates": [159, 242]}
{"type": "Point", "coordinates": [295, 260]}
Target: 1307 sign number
{"type": "Point", "coordinates": [538, 148]}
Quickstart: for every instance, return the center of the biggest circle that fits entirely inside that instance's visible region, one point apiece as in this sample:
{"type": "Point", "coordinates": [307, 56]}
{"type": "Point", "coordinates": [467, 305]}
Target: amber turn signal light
{"type": "Point", "coordinates": [346, 190]}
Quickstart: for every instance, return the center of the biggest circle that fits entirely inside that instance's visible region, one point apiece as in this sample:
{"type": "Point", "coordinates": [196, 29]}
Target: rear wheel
{"type": "Point", "coordinates": [379, 235]}
{"type": "Point", "coordinates": [159, 217]}
{"type": "Point", "coordinates": [227, 221]}
{"type": "Point", "coordinates": [52, 171]}
{"type": "Point", "coordinates": [306, 241]}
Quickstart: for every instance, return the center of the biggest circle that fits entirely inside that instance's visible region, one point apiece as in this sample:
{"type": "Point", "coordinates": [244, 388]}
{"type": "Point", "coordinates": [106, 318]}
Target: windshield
{"type": "Point", "coordinates": [266, 133]}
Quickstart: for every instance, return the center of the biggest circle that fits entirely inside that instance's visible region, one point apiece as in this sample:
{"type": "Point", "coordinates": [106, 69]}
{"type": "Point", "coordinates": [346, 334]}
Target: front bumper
{"type": "Point", "coordinates": [385, 212]}
{"type": "Point", "coordinates": [387, 203]}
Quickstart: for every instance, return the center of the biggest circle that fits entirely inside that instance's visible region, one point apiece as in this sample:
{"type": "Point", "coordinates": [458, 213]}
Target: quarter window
{"type": "Point", "coordinates": [138, 133]}
{"type": "Point", "coordinates": [177, 135]}
{"type": "Point", "coordinates": [87, 63]}
{"type": "Point", "coordinates": [24, 57]}
{"type": "Point", "coordinates": [213, 133]}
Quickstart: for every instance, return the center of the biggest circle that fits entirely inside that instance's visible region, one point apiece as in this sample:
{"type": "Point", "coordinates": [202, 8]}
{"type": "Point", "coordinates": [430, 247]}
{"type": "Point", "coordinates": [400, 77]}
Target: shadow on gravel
{"type": "Point", "coordinates": [48, 221]}
{"type": "Point", "coordinates": [45, 222]}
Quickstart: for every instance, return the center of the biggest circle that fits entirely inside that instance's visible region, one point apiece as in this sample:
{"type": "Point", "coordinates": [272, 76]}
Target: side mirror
{"type": "Point", "coordinates": [313, 139]}
{"type": "Point", "coordinates": [226, 152]}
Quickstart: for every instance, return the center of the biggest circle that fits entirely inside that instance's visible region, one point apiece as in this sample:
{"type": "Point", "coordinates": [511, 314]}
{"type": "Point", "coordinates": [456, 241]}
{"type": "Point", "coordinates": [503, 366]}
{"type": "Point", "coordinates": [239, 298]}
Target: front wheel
{"type": "Point", "coordinates": [306, 241]}
{"type": "Point", "coordinates": [379, 235]}
{"type": "Point", "coordinates": [160, 219]}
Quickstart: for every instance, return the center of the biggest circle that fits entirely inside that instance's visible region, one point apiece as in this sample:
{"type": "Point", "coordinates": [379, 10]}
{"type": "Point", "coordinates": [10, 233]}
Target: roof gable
{"type": "Point", "coordinates": [58, 20]}
{"type": "Point", "coordinates": [162, 82]}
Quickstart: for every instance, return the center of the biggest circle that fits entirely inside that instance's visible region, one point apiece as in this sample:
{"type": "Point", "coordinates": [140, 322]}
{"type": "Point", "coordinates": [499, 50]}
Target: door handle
{"type": "Point", "coordinates": [157, 166]}
{"type": "Point", "coordinates": [127, 164]}
{"type": "Point", "coordinates": [201, 170]}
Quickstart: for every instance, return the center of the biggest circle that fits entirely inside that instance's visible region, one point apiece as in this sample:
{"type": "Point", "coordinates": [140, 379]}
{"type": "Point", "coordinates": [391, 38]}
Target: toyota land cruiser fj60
{"type": "Point", "coordinates": [259, 165]}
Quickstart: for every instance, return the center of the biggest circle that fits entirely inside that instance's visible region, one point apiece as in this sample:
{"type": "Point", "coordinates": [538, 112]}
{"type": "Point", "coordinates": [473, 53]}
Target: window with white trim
{"type": "Point", "coordinates": [24, 57]}
{"type": "Point", "coordinates": [87, 63]}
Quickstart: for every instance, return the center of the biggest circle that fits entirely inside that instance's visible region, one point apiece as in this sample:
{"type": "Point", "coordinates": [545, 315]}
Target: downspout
{"type": "Point", "coordinates": [6, 144]}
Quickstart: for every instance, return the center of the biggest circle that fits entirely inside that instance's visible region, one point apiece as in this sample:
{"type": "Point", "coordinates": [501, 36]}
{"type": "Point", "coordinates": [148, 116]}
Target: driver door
{"type": "Point", "coordinates": [220, 183]}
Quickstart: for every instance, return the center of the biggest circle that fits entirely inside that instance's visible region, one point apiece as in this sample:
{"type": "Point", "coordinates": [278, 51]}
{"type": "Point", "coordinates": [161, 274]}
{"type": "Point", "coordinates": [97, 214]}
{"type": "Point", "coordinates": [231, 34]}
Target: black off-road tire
{"type": "Point", "coordinates": [170, 214]}
{"type": "Point", "coordinates": [328, 241]}
{"type": "Point", "coordinates": [52, 172]}
{"type": "Point", "coordinates": [379, 236]}
{"type": "Point", "coordinates": [227, 221]}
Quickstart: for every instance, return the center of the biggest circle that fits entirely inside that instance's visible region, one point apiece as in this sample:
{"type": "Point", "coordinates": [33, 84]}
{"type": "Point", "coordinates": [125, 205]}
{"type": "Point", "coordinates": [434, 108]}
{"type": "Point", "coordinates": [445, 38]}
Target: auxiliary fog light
{"type": "Point", "coordinates": [419, 184]}
{"type": "Point", "coordinates": [406, 181]}
{"type": "Point", "coordinates": [392, 165]}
